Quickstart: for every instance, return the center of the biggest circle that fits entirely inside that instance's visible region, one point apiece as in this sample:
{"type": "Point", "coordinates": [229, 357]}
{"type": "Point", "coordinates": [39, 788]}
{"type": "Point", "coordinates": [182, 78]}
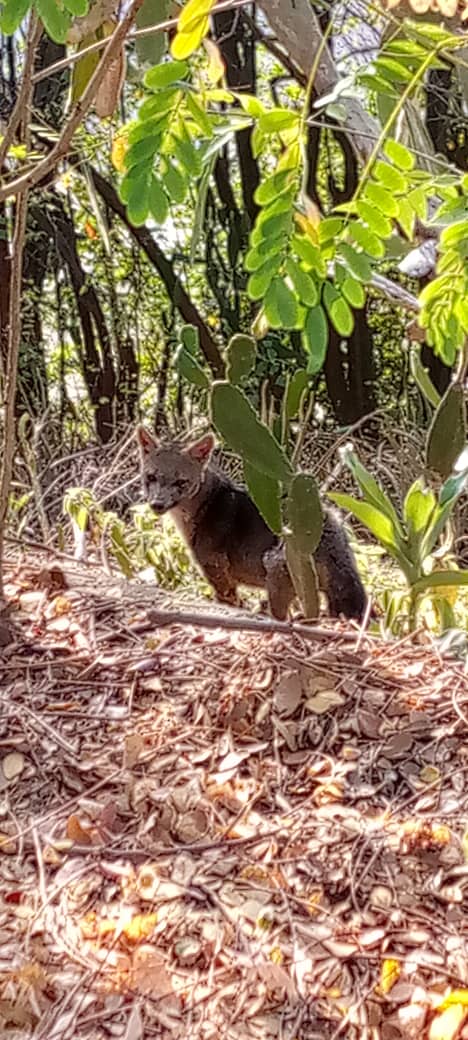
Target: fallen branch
{"type": "Point", "coordinates": [239, 622]}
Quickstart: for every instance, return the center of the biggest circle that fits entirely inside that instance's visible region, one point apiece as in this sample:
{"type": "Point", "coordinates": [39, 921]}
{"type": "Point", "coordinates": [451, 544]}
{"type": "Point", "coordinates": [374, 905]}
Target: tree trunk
{"type": "Point", "coordinates": [165, 268]}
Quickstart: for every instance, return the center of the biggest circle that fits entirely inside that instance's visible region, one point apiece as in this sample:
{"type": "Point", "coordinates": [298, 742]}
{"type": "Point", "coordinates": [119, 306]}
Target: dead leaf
{"type": "Point", "coordinates": [389, 975]}
{"type": "Point", "coordinates": [192, 826]}
{"type": "Point", "coordinates": [324, 701]}
{"type": "Point", "coordinates": [134, 1030]}
{"type": "Point", "coordinates": [447, 1025]}
{"type": "Point", "coordinates": [429, 775]}
{"type": "Point", "coordinates": [134, 745]}
{"type": "Point", "coordinates": [288, 693]}
{"type": "Point", "coordinates": [149, 975]}
{"type": "Point", "coordinates": [216, 67]}
{"type": "Point", "coordinates": [141, 926]}
{"type": "Point", "coordinates": [76, 832]}
{"type": "Point", "coordinates": [7, 845]}
{"type": "Point", "coordinates": [12, 765]}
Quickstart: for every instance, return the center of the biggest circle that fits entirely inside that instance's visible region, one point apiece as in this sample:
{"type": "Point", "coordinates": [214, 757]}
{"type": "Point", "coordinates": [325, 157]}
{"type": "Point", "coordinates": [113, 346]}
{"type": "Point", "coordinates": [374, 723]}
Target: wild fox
{"type": "Point", "coordinates": [229, 538]}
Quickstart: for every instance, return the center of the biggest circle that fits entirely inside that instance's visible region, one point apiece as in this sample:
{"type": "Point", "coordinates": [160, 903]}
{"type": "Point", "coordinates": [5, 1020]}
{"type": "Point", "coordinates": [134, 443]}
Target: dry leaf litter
{"type": "Point", "coordinates": [208, 833]}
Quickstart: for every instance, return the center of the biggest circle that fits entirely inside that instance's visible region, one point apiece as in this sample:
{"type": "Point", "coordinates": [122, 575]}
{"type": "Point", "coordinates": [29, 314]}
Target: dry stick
{"type": "Point", "coordinates": [24, 96]}
{"type": "Point", "coordinates": [202, 620]}
{"type": "Point", "coordinates": [37, 173]}
{"type": "Point", "coordinates": [14, 314]}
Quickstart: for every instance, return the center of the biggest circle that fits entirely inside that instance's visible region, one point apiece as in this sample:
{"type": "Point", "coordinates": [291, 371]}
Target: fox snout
{"type": "Point", "coordinates": [160, 503]}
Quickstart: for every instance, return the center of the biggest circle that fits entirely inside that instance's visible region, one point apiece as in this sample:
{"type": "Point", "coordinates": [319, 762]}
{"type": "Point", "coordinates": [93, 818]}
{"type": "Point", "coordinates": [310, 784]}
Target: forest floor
{"type": "Point", "coordinates": [209, 832]}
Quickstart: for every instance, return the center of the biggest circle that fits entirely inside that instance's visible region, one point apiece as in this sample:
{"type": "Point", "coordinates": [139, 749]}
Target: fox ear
{"type": "Point", "coordinates": [201, 450]}
{"type": "Point", "coordinates": [145, 439]}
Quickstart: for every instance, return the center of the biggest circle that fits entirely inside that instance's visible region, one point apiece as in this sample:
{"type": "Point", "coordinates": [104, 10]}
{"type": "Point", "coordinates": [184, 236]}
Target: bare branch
{"type": "Point", "coordinates": [27, 180]}
{"type": "Point", "coordinates": [25, 90]}
{"type": "Point", "coordinates": [14, 313]}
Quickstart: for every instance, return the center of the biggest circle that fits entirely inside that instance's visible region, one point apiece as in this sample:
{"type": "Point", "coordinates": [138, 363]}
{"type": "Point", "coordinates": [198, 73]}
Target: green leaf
{"type": "Point", "coordinates": [266, 249]}
{"type": "Point", "coordinates": [77, 7]}
{"type": "Point", "coordinates": [418, 507]}
{"type": "Point", "coordinates": [390, 177]}
{"type": "Point", "coordinates": [296, 388]}
{"type": "Point", "coordinates": [370, 488]}
{"type": "Point", "coordinates": [449, 494]}
{"type": "Point", "coordinates": [187, 155]}
{"type": "Point", "coordinates": [271, 225]}
{"type": "Point", "coordinates": [304, 513]}
{"type": "Point", "coordinates": [422, 378]}
{"type": "Point", "coordinates": [158, 204]}
{"type": "Point", "coordinates": [357, 263]}
{"type": "Point", "coordinates": [150, 49]}
{"type": "Point", "coordinates": [277, 120]}
{"type": "Point", "coordinates": [280, 305]}
{"type": "Point", "coordinates": [310, 254]}
{"type": "Point", "coordinates": [376, 522]}
{"type": "Point", "coordinates": [272, 186]}
{"type": "Point", "coordinates": [199, 115]}
{"type": "Point", "coordinates": [398, 154]}
{"type": "Point", "coordinates": [241, 354]}
{"type": "Point", "coordinates": [417, 199]}
{"type": "Point", "coordinates": [135, 180]}
{"type": "Point", "coordinates": [366, 238]}
{"type": "Point", "coordinates": [240, 427]}
{"type": "Point", "coordinates": [378, 196]}
{"type": "Point", "coordinates": [261, 279]}
{"type": "Point", "coordinates": [174, 183]}
{"type": "Point", "coordinates": [395, 69]}
{"type": "Point", "coordinates": [329, 229]}
{"type": "Point", "coordinates": [166, 74]}
{"type": "Point", "coordinates": [266, 494]}
{"type": "Point", "coordinates": [158, 105]}
{"type": "Point", "coordinates": [138, 202]}
{"type": "Point", "coordinates": [406, 217]}
{"type": "Point", "coordinates": [376, 220]}
{"type": "Point", "coordinates": [339, 312]}
{"type": "Point", "coordinates": [440, 579]}
{"type": "Point", "coordinates": [56, 21]}
{"type": "Point", "coordinates": [315, 338]}
{"type": "Point", "coordinates": [142, 150]}
{"type": "Point", "coordinates": [12, 14]}
{"type": "Point", "coordinates": [304, 285]}
{"type": "Point", "coordinates": [353, 292]}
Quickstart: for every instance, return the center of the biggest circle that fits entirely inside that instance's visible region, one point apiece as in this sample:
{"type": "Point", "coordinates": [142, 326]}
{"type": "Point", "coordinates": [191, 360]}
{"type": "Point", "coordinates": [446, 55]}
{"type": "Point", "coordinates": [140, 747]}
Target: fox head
{"type": "Point", "coordinates": [172, 473]}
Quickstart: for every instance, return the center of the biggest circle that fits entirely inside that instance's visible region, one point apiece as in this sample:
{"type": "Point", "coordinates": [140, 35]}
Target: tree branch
{"type": "Point", "coordinates": [28, 180]}
{"type": "Point", "coordinates": [298, 31]}
{"type": "Point", "coordinates": [25, 92]}
{"type": "Point", "coordinates": [14, 313]}
{"type": "Point", "coordinates": [164, 266]}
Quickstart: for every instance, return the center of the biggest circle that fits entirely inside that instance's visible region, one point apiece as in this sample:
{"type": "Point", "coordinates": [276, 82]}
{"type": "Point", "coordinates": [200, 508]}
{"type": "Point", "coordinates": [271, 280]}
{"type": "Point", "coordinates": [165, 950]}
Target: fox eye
{"type": "Point", "coordinates": [180, 484]}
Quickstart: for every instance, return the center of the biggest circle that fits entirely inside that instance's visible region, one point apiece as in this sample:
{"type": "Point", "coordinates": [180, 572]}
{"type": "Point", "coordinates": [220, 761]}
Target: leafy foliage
{"type": "Point", "coordinates": [57, 15]}
{"type": "Point", "coordinates": [411, 538]}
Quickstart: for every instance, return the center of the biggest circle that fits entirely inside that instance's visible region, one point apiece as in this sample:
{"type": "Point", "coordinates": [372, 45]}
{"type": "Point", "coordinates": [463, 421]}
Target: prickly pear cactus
{"type": "Point", "coordinates": [234, 417]}
{"type": "Point", "coordinates": [186, 358]}
{"type": "Point", "coordinates": [268, 473]}
{"type": "Point", "coordinates": [240, 356]}
{"type": "Point", "coordinates": [447, 434]}
{"type": "Point", "coordinates": [304, 513]}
